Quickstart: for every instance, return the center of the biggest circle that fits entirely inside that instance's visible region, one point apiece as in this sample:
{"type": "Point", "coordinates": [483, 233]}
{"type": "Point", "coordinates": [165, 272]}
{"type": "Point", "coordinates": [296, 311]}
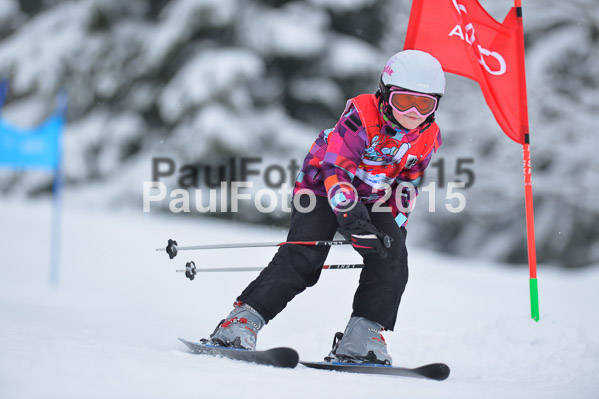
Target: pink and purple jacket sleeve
{"type": "Point", "coordinates": [334, 159]}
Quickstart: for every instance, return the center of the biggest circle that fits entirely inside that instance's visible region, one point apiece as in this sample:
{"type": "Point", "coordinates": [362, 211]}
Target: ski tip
{"type": "Point", "coordinates": [434, 371]}
{"type": "Point", "coordinates": [287, 357]}
{"type": "Point", "coordinates": [188, 344]}
{"type": "Point", "coordinates": [278, 357]}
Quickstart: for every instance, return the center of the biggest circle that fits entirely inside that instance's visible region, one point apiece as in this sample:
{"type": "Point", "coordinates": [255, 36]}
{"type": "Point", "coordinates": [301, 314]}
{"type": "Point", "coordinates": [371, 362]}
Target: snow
{"type": "Point", "coordinates": [343, 5]}
{"type": "Point", "coordinates": [179, 15]}
{"type": "Point", "coordinates": [351, 57]}
{"type": "Point", "coordinates": [209, 73]}
{"type": "Point", "coordinates": [109, 329]}
{"type": "Point", "coordinates": [8, 10]}
{"type": "Point", "coordinates": [294, 30]}
{"type": "Point", "coordinates": [106, 135]}
{"type": "Point", "coordinates": [202, 80]}
{"type": "Point", "coordinates": [54, 42]}
{"type": "Point", "coordinates": [323, 91]}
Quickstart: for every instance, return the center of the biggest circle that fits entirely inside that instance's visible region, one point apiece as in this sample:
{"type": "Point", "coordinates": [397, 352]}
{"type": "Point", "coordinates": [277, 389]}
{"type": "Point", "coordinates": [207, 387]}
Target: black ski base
{"type": "Point", "coordinates": [434, 371]}
{"type": "Point", "coordinates": [278, 357]}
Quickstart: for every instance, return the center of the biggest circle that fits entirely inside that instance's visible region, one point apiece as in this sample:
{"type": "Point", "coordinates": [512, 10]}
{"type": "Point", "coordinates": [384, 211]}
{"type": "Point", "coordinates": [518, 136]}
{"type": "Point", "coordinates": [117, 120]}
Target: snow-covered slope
{"type": "Point", "coordinates": [109, 329]}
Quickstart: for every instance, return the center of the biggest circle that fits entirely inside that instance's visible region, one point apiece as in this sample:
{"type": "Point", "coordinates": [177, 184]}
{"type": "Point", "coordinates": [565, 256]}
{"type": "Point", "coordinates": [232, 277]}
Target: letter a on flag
{"type": "Point", "coordinates": [469, 42]}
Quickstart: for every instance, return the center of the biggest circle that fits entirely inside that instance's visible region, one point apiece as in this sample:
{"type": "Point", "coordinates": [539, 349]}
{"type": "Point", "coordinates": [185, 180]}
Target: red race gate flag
{"type": "Point", "coordinates": [469, 42]}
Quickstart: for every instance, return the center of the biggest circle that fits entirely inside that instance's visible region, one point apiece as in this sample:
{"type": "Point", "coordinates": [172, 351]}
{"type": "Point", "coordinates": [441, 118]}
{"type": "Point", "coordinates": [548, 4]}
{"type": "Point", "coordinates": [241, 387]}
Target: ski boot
{"type": "Point", "coordinates": [239, 329]}
{"type": "Point", "coordinates": [362, 342]}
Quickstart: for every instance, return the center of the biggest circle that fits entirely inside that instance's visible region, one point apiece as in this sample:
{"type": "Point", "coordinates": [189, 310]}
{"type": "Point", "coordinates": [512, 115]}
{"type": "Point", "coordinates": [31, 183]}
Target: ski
{"type": "Point", "coordinates": [289, 358]}
{"type": "Point", "coordinates": [434, 371]}
{"type": "Point", "coordinates": [277, 357]}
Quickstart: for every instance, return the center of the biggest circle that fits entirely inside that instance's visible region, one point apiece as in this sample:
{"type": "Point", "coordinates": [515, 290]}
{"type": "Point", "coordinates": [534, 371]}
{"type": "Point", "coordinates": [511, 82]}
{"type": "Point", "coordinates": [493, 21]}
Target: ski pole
{"type": "Point", "coordinates": [172, 249]}
{"type": "Point", "coordinates": [191, 270]}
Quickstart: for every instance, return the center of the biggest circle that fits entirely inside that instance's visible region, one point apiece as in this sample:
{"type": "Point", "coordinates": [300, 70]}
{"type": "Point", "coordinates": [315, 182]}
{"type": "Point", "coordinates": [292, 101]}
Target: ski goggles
{"type": "Point", "coordinates": [408, 101]}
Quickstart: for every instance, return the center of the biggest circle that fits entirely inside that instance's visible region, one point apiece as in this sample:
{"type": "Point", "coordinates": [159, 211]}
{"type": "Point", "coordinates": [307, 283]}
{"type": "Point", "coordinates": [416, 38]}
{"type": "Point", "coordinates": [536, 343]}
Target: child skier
{"type": "Point", "coordinates": [381, 141]}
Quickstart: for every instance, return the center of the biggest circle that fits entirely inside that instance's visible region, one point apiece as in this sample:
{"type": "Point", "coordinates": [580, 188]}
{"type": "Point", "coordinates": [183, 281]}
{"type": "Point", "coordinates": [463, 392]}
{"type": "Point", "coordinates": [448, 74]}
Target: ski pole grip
{"type": "Point", "coordinates": [171, 248]}
{"type": "Point", "coordinates": [190, 270]}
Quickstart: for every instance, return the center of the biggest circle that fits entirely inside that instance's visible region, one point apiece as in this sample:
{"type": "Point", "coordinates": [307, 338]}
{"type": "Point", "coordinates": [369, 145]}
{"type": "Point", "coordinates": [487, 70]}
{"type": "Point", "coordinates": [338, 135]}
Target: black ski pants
{"type": "Point", "coordinates": [296, 267]}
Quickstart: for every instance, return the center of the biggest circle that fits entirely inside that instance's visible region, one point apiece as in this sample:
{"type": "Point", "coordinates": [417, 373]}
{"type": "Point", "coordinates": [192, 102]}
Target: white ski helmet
{"type": "Point", "coordinates": [411, 70]}
{"type": "Point", "coordinates": [414, 70]}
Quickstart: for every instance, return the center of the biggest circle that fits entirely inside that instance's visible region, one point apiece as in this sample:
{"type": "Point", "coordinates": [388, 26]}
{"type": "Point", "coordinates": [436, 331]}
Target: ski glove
{"type": "Point", "coordinates": [356, 226]}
